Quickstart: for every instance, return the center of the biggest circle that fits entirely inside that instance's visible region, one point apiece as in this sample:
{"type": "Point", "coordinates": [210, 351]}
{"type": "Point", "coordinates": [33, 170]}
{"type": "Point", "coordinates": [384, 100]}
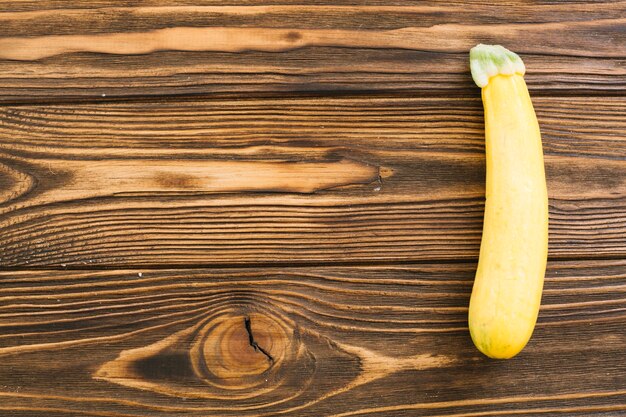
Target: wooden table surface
{"type": "Point", "coordinates": [262, 208]}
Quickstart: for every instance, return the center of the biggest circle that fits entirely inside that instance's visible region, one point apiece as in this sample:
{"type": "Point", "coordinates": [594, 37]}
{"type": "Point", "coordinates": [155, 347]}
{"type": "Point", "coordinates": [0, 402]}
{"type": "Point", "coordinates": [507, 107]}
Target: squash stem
{"type": "Point", "coordinates": [487, 61]}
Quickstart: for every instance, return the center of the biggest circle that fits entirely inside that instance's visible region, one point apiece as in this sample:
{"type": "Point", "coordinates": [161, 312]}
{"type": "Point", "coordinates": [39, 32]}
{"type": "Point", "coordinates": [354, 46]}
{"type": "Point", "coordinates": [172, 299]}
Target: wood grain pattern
{"type": "Point", "coordinates": [260, 208]}
{"type": "Point", "coordinates": [58, 51]}
{"type": "Point", "coordinates": [328, 341]}
{"type": "Point", "coordinates": [303, 180]}
{"type": "Point", "coordinates": [438, 38]}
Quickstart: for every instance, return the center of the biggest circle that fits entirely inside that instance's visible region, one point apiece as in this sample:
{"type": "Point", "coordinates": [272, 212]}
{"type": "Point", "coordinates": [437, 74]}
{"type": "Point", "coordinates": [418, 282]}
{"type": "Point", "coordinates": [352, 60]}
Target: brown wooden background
{"type": "Point", "coordinates": [262, 208]}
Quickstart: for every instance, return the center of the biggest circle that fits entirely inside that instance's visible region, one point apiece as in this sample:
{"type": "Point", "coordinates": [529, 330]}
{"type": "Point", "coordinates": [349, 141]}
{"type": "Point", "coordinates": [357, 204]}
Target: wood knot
{"type": "Point", "coordinates": [239, 349]}
{"type": "Point", "coordinates": [293, 36]}
{"type": "Point", "coordinates": [177, 181]}
{"type": "Point", "coordinates": [230, 353]}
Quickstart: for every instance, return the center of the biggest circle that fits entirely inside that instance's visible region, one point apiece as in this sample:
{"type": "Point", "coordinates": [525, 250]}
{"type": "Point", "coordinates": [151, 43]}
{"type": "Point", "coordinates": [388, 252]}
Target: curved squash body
{"type": "Point", "coordinates": [509, 280]}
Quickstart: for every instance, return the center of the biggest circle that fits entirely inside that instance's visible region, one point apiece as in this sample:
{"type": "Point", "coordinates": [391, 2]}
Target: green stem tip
{"type": "Point", "coordinates": [489, 60]}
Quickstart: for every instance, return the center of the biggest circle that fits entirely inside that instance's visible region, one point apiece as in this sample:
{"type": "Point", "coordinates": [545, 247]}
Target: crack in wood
{"type": "Point", "coordinates": [254, 344]}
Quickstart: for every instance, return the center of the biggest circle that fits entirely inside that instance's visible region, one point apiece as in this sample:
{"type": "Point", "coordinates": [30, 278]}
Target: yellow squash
{"type": "Point", "coordinates": [513, 253]}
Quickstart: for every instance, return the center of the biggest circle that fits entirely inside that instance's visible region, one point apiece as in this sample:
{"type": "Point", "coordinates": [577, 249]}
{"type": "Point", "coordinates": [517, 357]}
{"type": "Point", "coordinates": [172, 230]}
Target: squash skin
{"type": "Point", "coordinates": [507, 291]}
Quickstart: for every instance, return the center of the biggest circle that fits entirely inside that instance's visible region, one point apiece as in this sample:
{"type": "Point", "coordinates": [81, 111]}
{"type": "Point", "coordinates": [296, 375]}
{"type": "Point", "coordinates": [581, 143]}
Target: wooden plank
{"type": "Point", "coordinates": [305, 180]}
{"type": "Point", "coordinates": [53, 50]}
{"type": "Point", "coordinates": [375, 341]}
{"type": "Point", "coordinates": [475, 6]}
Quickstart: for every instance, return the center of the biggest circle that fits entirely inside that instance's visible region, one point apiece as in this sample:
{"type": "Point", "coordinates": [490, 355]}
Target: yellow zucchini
{"type": "Point", "coordinates": [509, 280]}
